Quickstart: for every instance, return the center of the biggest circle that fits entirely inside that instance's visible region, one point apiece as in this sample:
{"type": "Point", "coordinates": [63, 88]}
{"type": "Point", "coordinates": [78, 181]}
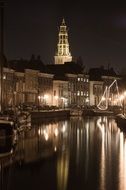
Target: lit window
{"type": "Point", "coordinates": [78, 79]}
{"type": "Point", "coordinates": [78, 93]}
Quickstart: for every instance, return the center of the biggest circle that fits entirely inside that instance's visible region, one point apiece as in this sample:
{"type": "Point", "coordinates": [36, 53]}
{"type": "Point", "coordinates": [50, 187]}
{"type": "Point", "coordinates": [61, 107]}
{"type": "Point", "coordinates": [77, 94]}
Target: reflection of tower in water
{"type": "Point", "coordinates": [63, 159]}
{"type": "Point", "coordinates": [62, 170]}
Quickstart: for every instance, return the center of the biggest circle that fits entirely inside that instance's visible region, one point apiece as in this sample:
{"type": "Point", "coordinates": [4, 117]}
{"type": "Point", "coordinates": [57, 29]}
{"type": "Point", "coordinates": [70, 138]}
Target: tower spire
{"type": "Point", "coordinates": [63, 53]}
{"type": "Point", "coordinates": [63, 21]}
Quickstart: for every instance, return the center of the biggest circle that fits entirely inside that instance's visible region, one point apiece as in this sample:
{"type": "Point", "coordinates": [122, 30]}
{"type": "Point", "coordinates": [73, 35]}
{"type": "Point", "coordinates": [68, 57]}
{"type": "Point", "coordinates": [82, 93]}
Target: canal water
{"type": "Point", "coordinates": [75, 154]}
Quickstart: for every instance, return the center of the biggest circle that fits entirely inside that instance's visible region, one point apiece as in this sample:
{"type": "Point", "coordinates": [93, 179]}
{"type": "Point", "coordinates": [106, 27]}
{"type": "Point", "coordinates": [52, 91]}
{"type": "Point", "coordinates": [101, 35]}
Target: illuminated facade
{"type": "Point", "coordinates": [19, 90]}
{"type": "Point", "coordinates": [28, 87]}
{"type": "Point", "coordinates": [63, 53]}
{"type": "Point", "coordinates": [8, 87]}
{"type": "Point", "coordinates": [78, 89]}
{"type": "Point", "coordinates": [60, 93]}
{"type": "Point", "coordinates": [45, 89]}
{"type": "Point", "coordinates": [96, 92]}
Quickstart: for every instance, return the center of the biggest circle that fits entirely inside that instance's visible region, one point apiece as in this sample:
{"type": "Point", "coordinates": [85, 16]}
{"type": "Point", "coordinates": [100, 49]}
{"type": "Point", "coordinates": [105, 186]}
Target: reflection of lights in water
{"type": "Point", "coordinates": [78, 145]}
{"type": "Point", "coordinates": [122, 163]}
{"type": "Point", "coordinates": [101, 124]}
{"type": "Point", "coordinates": [56, 132]}
{"type": "Point", "coordinates": [44, 131]}
{"type": "Point", "coordinates": [55, 149]}
{"type": "Point", "coordinates": [102, 168]}
{"type": "Point", "coordinates": [87, 151]}
{"type": "Point", "coordinates": [46, 135]}
{"type": "Point", "coordinates": [107, 128]}
{"type": "Point", "coordinates": [64, 128]}
{"type": "Point", "coordinates": [51, 130]}
{"type": "Point", "coordinates": [62, 170]}
{"type": "Point", "coordinates": [39, 132]}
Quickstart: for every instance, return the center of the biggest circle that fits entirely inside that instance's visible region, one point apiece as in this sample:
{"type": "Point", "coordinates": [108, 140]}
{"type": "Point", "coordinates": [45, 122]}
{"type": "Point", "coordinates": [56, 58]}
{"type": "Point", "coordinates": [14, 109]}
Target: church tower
{"type": "Point", "coordinates": [63, 54]}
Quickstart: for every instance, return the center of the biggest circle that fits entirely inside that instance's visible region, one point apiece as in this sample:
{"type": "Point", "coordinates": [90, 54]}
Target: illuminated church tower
{"type": "Point", "coordinates": [63, 54]}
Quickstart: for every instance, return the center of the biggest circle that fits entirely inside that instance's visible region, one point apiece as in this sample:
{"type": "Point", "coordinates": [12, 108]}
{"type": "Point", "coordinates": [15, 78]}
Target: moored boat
{"type": "Point", "coordinates": [96, 112]}
{"type": "Point", "coordinates": [6, 128]}
{"type": "Point", "coordinates": [20, 120]}
{"type": "Point", "coordinates": [76, 112]}
{"type": "Point", "coordinates": [121, 121]}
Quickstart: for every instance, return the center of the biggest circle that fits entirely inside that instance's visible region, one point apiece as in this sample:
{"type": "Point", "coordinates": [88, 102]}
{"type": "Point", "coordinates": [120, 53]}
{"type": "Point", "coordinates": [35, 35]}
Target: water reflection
{"type": "Point", "coordinates": [122, 161]}
{"type": "Point", "coordinates": [7, 145]}
{"type": "Point", "coordinates": [80, 153]}
{"type": "Point", "coordinates": [41, 142]}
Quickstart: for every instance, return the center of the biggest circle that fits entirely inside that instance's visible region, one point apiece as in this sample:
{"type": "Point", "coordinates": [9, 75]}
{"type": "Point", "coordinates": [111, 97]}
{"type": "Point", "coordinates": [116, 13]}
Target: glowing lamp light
{"type": "Point", "coordinates": [103, 98]}
{"type": "Point", "coordinates": [115, 102]}
{"type": "Point", "coordinates": [4, 77]}
{"type": "Point", "coordinates": [87, 100]}
{"type": "Point", "coordinates": [121, 97]}
{"type": "Point", "coordinates": [39, 97]}
{"type": "Point", "coordinates": [46, 96]}
{"type": "Point", "coordinates": [56, 97]}
{"type": "Point", "coordinates": [124, 93]}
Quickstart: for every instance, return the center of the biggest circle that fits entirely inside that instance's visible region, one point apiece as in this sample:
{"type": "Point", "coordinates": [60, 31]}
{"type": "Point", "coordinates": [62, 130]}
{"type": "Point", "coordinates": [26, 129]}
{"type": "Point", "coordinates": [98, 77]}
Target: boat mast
{"type": "Point", "coordinates": [2, 58]}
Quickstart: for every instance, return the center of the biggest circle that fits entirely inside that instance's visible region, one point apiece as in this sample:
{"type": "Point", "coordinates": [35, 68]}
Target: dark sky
{"type": "Point", "coordinates": [97, 31]}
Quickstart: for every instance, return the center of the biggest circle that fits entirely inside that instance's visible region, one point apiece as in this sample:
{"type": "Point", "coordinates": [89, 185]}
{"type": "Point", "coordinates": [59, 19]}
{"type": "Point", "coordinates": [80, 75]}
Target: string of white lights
{"type": "Point", "coordinates": [103, 104]}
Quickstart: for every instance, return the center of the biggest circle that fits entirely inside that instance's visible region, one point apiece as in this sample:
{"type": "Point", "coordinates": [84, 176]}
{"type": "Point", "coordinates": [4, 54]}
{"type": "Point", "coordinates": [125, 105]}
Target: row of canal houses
{"type": "Point", "coordinates": [31, 82]}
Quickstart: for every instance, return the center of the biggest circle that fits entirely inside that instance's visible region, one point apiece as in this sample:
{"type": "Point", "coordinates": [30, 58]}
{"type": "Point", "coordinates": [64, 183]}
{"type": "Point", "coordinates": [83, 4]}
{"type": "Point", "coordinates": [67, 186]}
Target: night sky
{"type": "Point", "coordinates": [97, 31]}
